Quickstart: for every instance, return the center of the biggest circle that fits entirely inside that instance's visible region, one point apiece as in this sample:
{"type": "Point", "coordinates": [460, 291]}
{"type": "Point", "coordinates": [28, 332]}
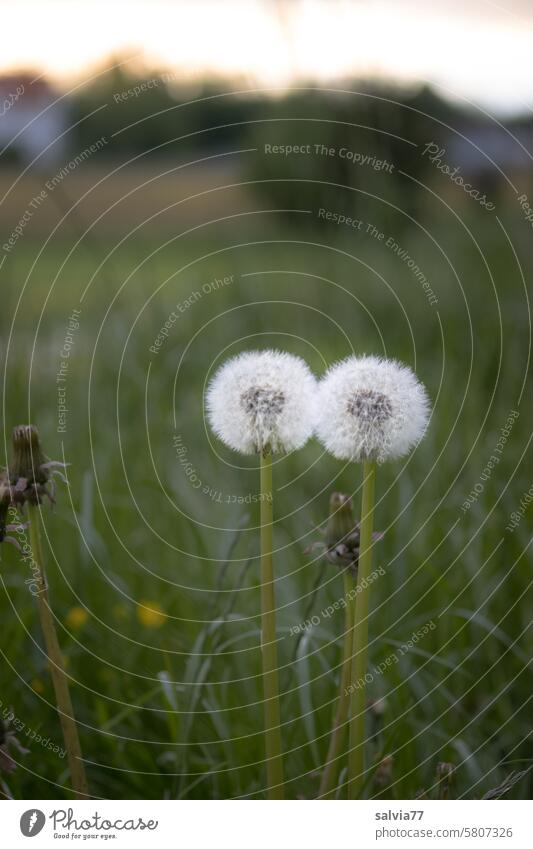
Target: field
{"type": "Point", "coordinates": [152, 547]}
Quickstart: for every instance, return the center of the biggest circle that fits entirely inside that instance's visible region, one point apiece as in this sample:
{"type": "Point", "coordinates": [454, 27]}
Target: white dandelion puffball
{"type": "Point", "coordinates": [370, 408]}
{"type": "Point", "coordinates": [263, 401]}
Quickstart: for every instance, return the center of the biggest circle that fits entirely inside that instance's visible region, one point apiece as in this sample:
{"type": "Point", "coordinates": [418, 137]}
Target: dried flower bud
{"type": "Point", "coordinates": [30, 477]}
{"type": "Point", "coordinates": [341, 546]}
{"type": "Point", "coordinates": [341, 521]}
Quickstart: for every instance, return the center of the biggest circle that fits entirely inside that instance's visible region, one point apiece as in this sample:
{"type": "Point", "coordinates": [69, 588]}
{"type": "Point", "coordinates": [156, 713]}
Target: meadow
{"type": "Point", "coordinates": [153, 547]}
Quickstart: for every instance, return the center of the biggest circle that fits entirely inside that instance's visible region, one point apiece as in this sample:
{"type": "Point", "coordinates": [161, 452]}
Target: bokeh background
{"type": "Point", "coordinates": [150, 229]}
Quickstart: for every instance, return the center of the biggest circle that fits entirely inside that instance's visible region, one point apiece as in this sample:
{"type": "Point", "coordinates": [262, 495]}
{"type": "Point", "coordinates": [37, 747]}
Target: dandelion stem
{"type": "Point", "coordinates": [328, 781]}
{"type": "Point", "coordinates": [55, 658]}
{"type": "Point", "coordinates": [269, 653]}
{"type": "Point", "coordinates": [356, 760]}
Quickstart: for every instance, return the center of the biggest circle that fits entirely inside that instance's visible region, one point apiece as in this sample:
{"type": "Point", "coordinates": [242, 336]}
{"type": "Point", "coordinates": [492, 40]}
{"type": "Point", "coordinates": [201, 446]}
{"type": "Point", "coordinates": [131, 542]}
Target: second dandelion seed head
{"type": "Point", "coordinates": [370, 408]}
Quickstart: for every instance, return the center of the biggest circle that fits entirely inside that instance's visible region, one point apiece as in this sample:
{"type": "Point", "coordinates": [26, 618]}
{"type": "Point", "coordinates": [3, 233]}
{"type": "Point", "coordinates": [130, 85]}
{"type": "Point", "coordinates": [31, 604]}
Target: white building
{"type": "Point", "coordinates": [32, 120]}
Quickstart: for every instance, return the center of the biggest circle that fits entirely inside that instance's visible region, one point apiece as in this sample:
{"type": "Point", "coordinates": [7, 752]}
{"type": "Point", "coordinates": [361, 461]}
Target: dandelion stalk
{"type": "Point", "coordinates": [57, 669]}
{"type": "Point", "coordinates": [341, 548]}
{"type": "Point", "coordinates": [263, 403]}
{"type": "Point", "coordinates": [356, 759]}
{"type": "Point", "coordinates": [29, 482]}
{"type": "Point", "coordinates": [369, 410]}
{"type": "Point", "coordinates": [269, 652]}
{"type": "Point", "coordinates": [328, 781]}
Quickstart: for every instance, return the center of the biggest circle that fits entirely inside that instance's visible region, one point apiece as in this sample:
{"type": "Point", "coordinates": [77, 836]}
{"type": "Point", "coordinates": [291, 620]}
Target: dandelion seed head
{"type": "Point", "coordinates": [262, 400]}
{"type": "Point", "coordinates": [370, 408]}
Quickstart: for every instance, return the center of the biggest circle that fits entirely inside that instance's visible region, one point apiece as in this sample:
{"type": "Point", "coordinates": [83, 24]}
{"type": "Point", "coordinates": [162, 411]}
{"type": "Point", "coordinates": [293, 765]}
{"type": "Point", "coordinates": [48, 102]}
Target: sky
{"type": "Point", "coordinates": [478, 50]}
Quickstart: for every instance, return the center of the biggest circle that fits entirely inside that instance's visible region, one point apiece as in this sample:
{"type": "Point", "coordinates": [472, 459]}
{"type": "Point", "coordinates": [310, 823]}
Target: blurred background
{"type": "Point", "coordinates": [180, 181]}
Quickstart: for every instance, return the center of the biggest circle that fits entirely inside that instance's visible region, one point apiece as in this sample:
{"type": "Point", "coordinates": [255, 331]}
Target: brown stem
{"type": "Point", "coordinates": [55, 658]}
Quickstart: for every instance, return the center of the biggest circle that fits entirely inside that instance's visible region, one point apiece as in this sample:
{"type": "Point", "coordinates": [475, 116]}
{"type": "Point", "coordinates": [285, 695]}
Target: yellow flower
{"type": "Point", "coordinates": [77, 617]}
{"type": "Point", "coordinates": [150, 614]}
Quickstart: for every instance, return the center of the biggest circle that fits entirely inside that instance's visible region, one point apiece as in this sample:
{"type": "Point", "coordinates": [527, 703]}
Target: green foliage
{"type": "Point", "coordinates": [174, 711]}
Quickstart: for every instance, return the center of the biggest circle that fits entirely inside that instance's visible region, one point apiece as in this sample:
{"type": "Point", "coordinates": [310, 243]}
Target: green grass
{"type": "Point", "coordinates": [174, 711]}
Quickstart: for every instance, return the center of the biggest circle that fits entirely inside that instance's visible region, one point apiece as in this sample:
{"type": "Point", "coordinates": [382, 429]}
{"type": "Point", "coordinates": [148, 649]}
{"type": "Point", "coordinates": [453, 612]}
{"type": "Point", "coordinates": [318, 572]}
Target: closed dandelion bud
{"type": "Point", "coordinates": [27, 454]}
{"type": "Point", "coordinates": [341, 519]}
{"type": "Point", "coordinates": [30, 473]}
{"type": "Point", "coordinates": [342, 536]}
{"type": "Point", "coordinates": [262, 402]}
{"type": "Point", "coordinates": [370, 408]}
